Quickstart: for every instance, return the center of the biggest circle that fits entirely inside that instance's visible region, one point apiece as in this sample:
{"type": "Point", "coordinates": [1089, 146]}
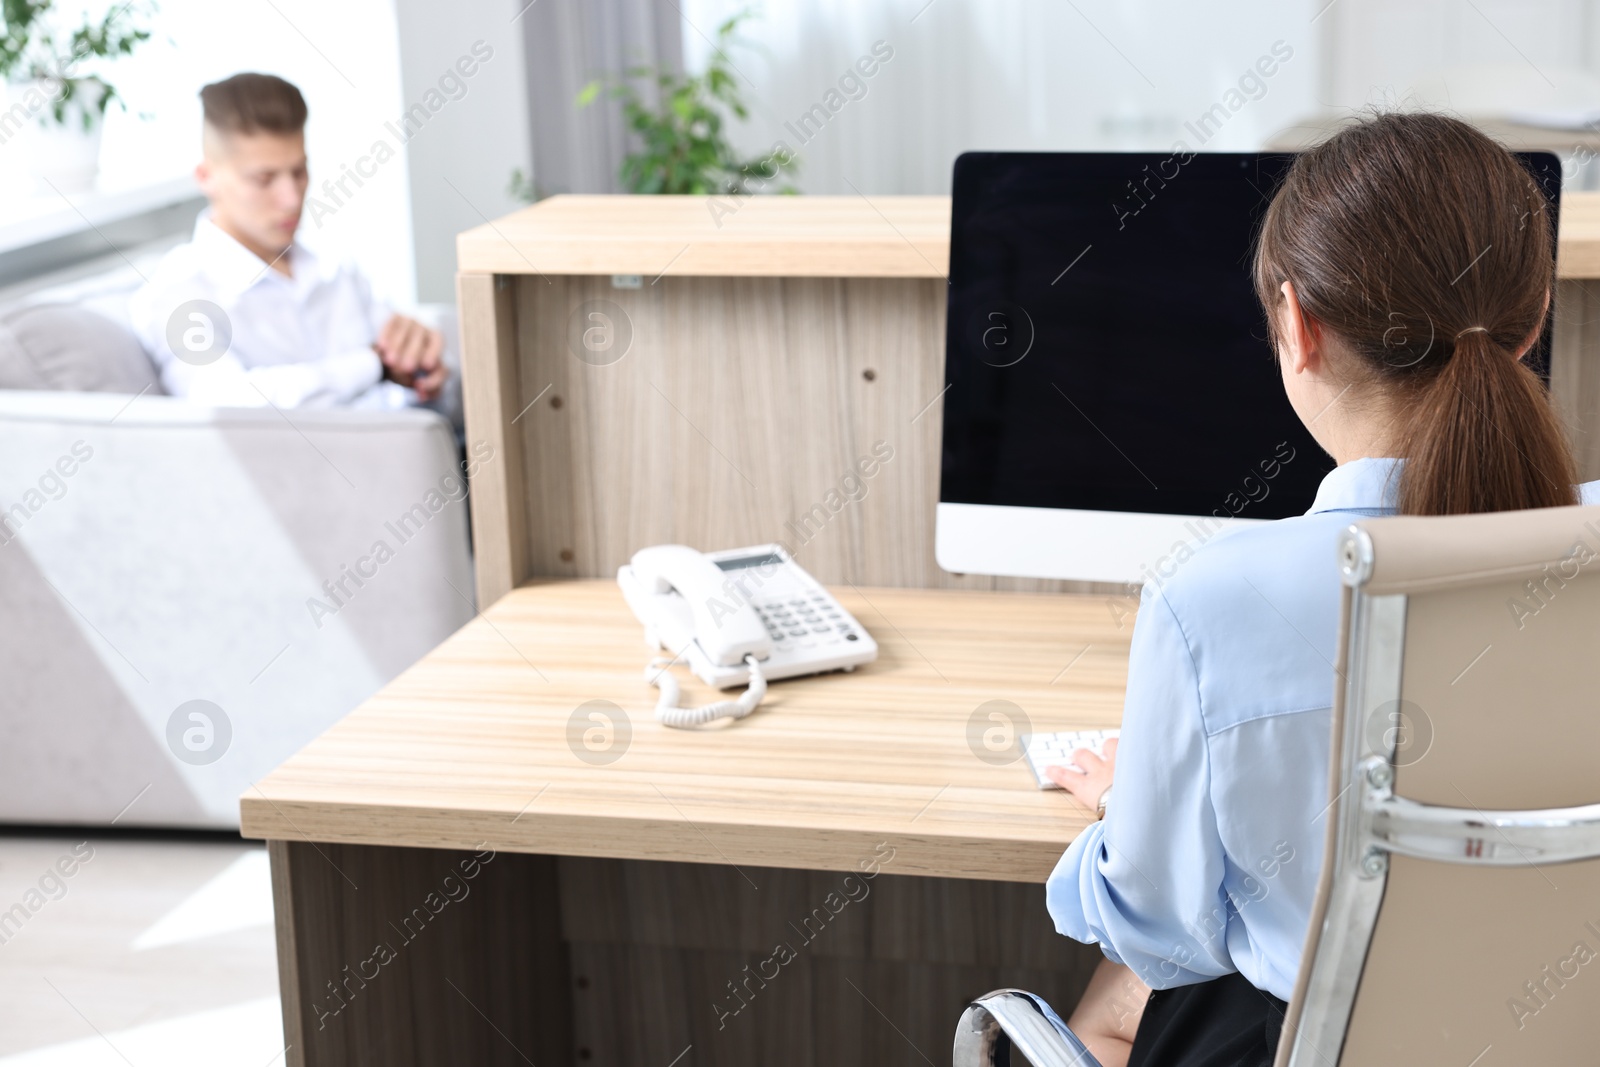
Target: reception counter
{"type": "Point", "coordinates": [502, 858]}
{"type": "Point", "coordinates": [706, 369]}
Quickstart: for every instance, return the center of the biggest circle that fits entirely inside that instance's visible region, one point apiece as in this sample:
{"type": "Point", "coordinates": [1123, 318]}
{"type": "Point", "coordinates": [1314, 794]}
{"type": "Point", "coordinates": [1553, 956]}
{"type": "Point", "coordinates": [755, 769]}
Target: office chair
{"type": "Point", "coordinates": [1457, 920]}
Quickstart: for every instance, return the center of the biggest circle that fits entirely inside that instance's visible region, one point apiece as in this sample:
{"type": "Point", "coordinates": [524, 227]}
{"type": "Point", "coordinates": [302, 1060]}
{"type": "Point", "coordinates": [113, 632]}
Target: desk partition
{"type": "Point", "coordinates": [767, 357]}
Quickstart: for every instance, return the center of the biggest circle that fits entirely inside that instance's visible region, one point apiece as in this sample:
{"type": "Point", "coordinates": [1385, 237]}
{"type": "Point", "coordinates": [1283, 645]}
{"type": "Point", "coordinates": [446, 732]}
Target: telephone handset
{"type": "Point", "coordinates": [738, 616]}
{"type": "Point", "coordinates": [685, 585]}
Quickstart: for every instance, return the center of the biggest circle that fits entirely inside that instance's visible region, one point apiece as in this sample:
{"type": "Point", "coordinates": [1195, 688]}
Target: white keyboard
{"type": "Point", "coordinates": [1056, 749]}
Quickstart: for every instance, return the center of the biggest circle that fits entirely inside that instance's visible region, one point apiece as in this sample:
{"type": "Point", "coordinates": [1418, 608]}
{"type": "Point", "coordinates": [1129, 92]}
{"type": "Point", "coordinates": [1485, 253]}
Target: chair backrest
{"type": "Point", "coordinates": [1458, 917]}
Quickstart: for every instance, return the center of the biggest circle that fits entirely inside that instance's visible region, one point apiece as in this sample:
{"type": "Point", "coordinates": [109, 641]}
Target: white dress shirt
{"type": "Point", "coordinates": [1207, 860]}
{"type": "Point", "coordinates": [304, 340]}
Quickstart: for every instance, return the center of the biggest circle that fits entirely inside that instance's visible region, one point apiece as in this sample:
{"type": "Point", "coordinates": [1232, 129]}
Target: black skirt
{"type": "Point", "coordinates": [1226, 1022]}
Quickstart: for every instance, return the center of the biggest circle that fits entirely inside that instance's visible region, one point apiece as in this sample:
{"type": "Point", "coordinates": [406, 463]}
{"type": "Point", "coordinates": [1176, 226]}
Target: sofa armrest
{"type": "Point", "coordinates": [279, 565]}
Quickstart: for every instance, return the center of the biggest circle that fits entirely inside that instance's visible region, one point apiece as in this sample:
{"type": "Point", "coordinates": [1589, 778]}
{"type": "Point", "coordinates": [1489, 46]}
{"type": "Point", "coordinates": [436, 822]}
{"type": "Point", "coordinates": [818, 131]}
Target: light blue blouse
{"type": "Point", "coordinates": [1207, 860]}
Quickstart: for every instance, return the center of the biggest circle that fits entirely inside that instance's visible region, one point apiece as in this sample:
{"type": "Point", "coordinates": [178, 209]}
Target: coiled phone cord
{"type": "Point", "coordinates": [668, 712]}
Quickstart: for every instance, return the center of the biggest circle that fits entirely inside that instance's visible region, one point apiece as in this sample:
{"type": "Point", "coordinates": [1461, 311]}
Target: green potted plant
{"type": "Point", "coordinates": [56, 94]}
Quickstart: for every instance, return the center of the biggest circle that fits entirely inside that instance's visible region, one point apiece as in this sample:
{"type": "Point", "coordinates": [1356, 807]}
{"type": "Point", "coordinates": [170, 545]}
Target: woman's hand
{"type": "Point", "coordinates": [1087, 787]}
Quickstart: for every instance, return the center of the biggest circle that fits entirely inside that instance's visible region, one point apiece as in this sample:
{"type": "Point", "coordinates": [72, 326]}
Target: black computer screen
{"type": "Point", "coordinates": [1104, 346]}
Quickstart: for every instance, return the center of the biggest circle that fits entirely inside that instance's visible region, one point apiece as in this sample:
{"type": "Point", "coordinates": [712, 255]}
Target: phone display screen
{"type": "Point", "coordinates": [770, 559]}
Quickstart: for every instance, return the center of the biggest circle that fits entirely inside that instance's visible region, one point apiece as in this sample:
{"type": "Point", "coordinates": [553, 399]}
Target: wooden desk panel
{"type": "Point", "coordinates": [550, 960]}
{"type": "Point", "coordinates": [470, 746]}
{"type": "Point", "coordinates": [740, 410]}
{"type": "Point", "coordinates": [789, 236]}
{"type": "Point", "coordinates": [1578, 243]}
{"type": "Point", "coordinates": [774, 236]}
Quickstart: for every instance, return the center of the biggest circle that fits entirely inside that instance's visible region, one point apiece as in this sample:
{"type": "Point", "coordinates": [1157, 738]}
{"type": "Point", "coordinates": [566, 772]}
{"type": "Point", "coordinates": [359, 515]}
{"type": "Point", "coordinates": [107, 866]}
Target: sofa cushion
{"type": "Point", "coordinates": [68, 347]}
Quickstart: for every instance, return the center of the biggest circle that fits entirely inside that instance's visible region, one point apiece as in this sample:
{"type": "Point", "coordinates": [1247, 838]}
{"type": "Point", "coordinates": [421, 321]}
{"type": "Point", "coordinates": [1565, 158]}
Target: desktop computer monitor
{"type": "Point", "coordinates": [1111, 399]}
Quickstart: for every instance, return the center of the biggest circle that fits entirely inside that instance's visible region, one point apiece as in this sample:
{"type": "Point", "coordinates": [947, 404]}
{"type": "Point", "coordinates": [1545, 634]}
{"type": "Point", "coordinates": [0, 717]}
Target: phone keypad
{"type": "Point", "coordinates": [804, 621]}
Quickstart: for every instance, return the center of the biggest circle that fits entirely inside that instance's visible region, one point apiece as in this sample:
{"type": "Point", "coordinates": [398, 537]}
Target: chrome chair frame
{"type": "Point", "coordinates": [1007, 1019]}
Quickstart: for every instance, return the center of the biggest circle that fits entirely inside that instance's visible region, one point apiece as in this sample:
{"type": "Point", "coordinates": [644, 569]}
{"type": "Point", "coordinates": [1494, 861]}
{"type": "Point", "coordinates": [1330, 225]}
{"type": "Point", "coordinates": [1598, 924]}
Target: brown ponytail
{"type": "Point", "coordinates": [1425, 249]}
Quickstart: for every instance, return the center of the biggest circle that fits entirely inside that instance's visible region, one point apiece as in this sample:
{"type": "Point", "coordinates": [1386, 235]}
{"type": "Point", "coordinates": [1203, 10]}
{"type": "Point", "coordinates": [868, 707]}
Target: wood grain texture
{"type": "Point", "coordinates": [1575, 370]}
{"type": "Point", "coordinates": [480, 741]}
{"type": "Point", "coordinates": [869, 912]}
{"type": "Point", "coordinates": [643, 1005]}
{"type": "Point", "coordinates": [492, 403]}
{"type": "Point", "coordinates": [789, 236]}
{"type": "Point", "coordinates": [506, 959]}
{"type": "Point", "coordinates": [288, 924]}
{"type": "Point", "coordinates": [744, 411]}
{"type": "Point", "coordinates": [416, 957]}
{"type": "Point", "coordinates": [771, 236]}
{"type": "Point", "coordinates": [1578, 242]}
{"type": "Point", "coordinates": [795, 967]}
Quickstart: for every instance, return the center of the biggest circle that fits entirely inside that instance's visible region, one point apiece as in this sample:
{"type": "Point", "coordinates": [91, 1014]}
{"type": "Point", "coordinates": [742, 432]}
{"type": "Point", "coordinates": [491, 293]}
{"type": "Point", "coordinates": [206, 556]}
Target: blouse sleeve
{"type": "Point", "coordinates": [1146, 882]}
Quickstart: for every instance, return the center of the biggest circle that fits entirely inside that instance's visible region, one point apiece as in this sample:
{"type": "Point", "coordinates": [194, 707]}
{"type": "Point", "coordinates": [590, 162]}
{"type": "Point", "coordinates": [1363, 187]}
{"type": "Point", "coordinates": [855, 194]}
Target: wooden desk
{"type": "Point", "coordinates": [807, 236]}
{"type": "Point", "coordinates": [622, 897]}
{"type": "Point", "coordinates": [622, 912]}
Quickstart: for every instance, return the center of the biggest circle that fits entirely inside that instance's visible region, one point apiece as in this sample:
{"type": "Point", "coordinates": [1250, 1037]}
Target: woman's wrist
{"type": "Point", "coordinates": [1100, 805]}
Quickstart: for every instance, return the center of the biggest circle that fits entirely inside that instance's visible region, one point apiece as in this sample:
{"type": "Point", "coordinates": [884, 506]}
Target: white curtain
{"type": "Point", "coordinates": [1005, 74]}
{"type": "Point", "coordinates": [567, 44]}
{"type": "Point", "coordinates": [1126, 74]}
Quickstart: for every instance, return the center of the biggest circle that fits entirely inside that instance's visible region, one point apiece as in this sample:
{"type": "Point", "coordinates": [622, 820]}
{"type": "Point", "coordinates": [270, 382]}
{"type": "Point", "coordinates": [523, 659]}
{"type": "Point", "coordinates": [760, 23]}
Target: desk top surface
{"type": "Point", "coordinates": [773, 236]}
{"type": "Point", "coordinates": [483, 741]}
{"type": "Point", "coordinates": [788, 236]}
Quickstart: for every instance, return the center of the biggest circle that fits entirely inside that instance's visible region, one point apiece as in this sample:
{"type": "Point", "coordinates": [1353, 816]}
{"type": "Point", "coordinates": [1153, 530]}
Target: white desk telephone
{"type": "Point", "coordinates": [740, 616]}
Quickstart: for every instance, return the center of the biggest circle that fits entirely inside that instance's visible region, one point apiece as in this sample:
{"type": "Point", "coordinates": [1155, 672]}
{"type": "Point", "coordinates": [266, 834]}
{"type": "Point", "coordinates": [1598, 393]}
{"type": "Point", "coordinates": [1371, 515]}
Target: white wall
{"type": "Point", "coordinates": [1480, 58]}
{"type": "Point", "coordinates": [460, 161]}
{"type": "Point", "coordinates": [344, 56]}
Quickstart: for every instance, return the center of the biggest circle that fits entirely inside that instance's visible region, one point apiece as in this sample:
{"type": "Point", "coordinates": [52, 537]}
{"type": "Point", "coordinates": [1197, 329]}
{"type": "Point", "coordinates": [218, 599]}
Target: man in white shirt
{"type": "Point", "coordinates": [244, 315]}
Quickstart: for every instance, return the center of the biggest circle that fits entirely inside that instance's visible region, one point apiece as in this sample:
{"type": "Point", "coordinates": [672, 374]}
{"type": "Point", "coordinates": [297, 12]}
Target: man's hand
{"type": "Point", "coordinates": [1095, 779]}
{"type": "Point", "coordinates": [412, 355]}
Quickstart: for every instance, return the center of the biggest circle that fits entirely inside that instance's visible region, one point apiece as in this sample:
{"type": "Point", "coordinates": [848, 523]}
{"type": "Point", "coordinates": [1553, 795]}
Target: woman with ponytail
{"type": "Point", "coordinates": [1406, 268]}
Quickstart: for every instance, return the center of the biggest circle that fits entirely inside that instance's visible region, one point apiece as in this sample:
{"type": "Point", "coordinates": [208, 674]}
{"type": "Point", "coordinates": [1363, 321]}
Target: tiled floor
{"type": "Point", "coordinates": [142, 951]}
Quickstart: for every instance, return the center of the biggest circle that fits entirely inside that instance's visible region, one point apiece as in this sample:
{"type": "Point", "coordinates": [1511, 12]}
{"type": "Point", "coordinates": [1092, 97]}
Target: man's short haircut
{"type": "Point", "coordinates": [253, 103]}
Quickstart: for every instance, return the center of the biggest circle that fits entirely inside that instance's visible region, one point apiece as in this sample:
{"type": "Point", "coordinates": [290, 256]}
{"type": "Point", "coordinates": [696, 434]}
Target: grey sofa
{"type": "Point", "coordinates": [188, 595]}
